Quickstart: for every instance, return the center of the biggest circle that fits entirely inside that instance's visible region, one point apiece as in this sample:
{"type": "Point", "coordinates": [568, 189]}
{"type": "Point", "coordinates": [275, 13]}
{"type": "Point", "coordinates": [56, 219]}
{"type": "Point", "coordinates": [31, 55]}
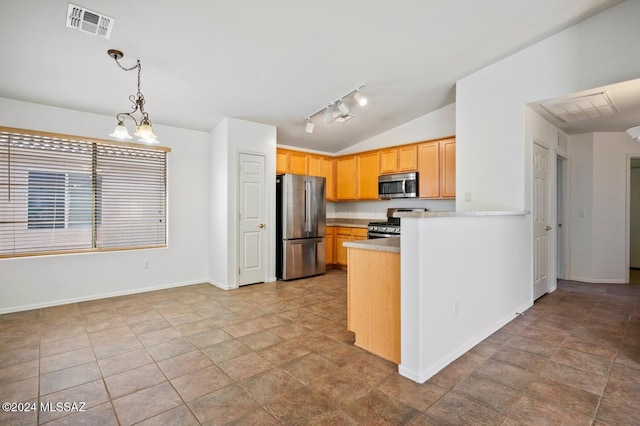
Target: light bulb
{"type": "Point", "coordinates": [361, 100]}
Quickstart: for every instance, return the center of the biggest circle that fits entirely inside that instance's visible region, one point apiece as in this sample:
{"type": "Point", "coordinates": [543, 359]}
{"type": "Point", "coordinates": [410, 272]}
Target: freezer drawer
{"type": "Point", "coordinates": [303, 258]}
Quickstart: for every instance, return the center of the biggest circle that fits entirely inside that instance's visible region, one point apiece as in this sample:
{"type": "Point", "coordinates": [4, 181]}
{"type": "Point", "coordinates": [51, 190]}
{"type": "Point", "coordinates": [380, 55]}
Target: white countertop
{"type": "Point", "coordinates": [391, 244]}
{"type": "Point", "coordinates": [430, 214]}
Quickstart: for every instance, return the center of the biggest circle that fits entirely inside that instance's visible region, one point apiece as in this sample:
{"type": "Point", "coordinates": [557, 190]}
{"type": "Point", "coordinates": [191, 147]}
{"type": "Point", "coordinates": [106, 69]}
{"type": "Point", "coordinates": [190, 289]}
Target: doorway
{"type": "Point", "coordinates": [634, 219]}
{"type": "Point", "coordinates": [561, 206]}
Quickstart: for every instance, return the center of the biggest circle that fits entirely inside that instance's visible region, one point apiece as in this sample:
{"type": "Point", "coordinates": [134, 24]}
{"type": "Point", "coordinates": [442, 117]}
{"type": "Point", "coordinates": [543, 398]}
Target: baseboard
{"type": "Point", "coordinates": [425, 374]}
{"type": "Point", "coordinates": [95, 297]}
{"type": "Point", "coordinates": [597, 281]}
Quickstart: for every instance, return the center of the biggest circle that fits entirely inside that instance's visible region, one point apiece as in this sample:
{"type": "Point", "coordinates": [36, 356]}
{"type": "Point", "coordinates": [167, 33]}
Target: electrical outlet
{"type": "Point", "coordinates": [147, 265]}
{"type": "Point", "coordinates": [467, 196]}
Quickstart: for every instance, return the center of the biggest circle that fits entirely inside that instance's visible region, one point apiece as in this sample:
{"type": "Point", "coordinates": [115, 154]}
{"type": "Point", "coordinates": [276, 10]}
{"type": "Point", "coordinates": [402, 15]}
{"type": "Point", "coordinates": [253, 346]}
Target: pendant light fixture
{"type": "Point", "coordinates": [634, 132]}
{"type": "Point", "coordinates": [143, 125]}
{"type": "Point", "coordinates": [337, 110]}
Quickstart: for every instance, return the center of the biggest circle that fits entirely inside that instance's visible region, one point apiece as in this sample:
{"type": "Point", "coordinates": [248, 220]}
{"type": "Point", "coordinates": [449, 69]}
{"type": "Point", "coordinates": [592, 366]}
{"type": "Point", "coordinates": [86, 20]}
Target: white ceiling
{"type": "Point", "coordinates": [274, 62]}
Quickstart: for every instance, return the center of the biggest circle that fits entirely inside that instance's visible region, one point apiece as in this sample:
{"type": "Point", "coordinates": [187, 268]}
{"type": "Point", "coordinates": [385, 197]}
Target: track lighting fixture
{"type": "Point", "coordinates": [143, 126]}
{"type": "Point", "coordinates": [337, 110]}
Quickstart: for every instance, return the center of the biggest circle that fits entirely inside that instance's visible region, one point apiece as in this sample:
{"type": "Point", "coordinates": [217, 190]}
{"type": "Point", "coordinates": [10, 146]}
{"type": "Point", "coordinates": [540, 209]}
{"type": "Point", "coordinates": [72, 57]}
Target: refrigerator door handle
{"type": "Point", "coordinates": [307, 206]}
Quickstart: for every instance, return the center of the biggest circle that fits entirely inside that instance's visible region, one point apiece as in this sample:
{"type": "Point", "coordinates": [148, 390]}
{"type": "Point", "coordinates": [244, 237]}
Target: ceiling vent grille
{"type": "Point", "coordinates": [581, 108]}
{"type": "Point", "coordinates": [89, 21]}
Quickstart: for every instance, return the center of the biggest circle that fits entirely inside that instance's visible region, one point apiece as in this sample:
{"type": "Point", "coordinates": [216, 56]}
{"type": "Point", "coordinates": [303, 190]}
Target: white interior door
{"type": "Point", "coordinates": [541, 226]}
{"type": "Point", "coordinates": [252, 238]}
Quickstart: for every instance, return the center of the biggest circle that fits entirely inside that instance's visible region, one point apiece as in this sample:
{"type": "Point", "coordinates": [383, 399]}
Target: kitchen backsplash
{"type": "Point", "coordinates": [378, 209]}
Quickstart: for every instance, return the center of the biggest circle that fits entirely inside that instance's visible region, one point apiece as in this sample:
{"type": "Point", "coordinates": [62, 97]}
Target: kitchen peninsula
{"type": "Point", "coordinates": [463, 277]}
{"type": "Point", "coordinates": [453, 265]}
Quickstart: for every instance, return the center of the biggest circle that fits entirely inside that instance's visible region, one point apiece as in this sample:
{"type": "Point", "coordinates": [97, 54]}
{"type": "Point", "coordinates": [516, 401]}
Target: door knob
{"type": "Point", "coordinates": [261, 225]}
{"type": "Point", "coordinates": [547, 228]}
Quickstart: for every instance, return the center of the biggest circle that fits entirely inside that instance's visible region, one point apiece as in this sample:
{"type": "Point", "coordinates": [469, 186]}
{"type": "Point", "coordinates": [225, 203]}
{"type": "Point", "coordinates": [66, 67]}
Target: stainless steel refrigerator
{"type": "Point", "coordinates": [300, 226]}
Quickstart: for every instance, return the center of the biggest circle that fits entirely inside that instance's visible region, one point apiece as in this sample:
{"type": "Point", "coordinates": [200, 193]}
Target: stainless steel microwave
{"type": "Point", "coordinates": [399, 185]}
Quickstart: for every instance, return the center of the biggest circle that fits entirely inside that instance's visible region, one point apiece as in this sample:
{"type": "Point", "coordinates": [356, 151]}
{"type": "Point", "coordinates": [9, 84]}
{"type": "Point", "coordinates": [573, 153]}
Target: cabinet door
{"type": "Point", "coordinates": [282, 161]}
{"type": "Point", "coordinates": [313, 165]}
{"type": "Point", "coordinates": [298, 163]}
{"type": "Point", "coordinates": [358, 234]}
{"type": "Point", "coordinates": [341, 251]}
{"type": "Point", "coordinates": [429, 170]}
{"type": "Point", "coordinates": [326, 170]}
{"type": "Point", "coordinates": [346, 178]}
{"type": "Point", "coordinates": [329, 244]}
{"type": "Point", "coordinates": [408, 158]}
{"type": "Point", "coordinates": [448, 168]}
{"type": "Point", "coordinates": [388, 161]}
{"type": "Point", "coordinates": [368, 176]}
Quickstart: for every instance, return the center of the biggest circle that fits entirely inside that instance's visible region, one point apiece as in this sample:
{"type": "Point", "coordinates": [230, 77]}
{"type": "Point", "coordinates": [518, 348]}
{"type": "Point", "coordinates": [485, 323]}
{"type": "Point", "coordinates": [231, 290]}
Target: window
{"type": "Point", "coordinates": [61, 194]}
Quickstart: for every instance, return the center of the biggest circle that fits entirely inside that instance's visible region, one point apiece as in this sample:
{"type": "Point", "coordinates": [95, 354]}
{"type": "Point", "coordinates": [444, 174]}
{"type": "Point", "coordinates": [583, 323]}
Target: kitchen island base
{"type": "Point", "coordinates": [373, 295]}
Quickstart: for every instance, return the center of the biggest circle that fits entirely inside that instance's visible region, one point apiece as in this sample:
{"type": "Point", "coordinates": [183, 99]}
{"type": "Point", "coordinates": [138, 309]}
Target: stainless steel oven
{"type": "Point", "coordinates": [390, 228]}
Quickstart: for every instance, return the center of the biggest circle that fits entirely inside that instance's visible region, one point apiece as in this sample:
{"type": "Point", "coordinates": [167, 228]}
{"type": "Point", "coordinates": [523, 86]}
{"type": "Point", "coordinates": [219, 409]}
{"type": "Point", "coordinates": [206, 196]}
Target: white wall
{"type": "Point", "coordinates": [32, 282]}
{"type": "Point", "coordinates": [437, 124]}
{"type": "Point", "coordinates": [231, 137]}
{"type": "Point", "coordinates": [492, 155]}
{"type": "Point", "coordinates": [598, 173]}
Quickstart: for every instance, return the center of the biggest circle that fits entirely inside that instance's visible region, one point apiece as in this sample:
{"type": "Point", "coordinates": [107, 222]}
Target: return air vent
{"type": "Point", "coordinates": [89, 21]}
{"type": "Point", "coordinates": [581, 108]}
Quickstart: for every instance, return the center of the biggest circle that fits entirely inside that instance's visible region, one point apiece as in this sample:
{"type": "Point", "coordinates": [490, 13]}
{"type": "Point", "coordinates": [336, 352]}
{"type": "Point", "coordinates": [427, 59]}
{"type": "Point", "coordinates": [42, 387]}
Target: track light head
{"type": "Point", "coordinates": [344, 109]}
{"type": "Point", "coordinates": [309, 126]}
{"type": "Point", "coordinates": [329, 115]}
{"type": "Point", "coordinates": [361, 100]}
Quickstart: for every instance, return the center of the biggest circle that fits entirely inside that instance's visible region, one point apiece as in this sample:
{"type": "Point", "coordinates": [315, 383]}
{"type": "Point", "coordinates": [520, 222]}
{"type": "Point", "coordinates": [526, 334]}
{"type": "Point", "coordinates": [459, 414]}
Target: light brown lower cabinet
{"type": "Point", "coordinates": [344, 234]}
{"type": "Point", "coordinates": [373, 297]}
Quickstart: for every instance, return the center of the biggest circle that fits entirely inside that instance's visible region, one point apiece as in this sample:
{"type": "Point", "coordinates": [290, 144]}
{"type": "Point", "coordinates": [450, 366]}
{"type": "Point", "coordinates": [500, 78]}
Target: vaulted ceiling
{"type": "Point", "coordinates": [274, 62]}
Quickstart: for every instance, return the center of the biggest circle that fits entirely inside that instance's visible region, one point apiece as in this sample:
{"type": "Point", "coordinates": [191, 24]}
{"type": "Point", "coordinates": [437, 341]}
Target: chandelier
{"type": "Point", "coordinates": [143, 125]}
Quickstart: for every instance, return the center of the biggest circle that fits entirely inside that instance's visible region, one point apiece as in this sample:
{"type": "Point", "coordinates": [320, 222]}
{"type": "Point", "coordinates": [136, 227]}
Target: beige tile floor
{"type": "Point", "coordinates": [279, 353]}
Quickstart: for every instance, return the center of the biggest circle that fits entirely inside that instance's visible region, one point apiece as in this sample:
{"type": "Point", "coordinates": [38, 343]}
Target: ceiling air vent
{"type": "Point", "coordinates": [89, 21]}
{"type": "Point", "coordinates": [581, 108]}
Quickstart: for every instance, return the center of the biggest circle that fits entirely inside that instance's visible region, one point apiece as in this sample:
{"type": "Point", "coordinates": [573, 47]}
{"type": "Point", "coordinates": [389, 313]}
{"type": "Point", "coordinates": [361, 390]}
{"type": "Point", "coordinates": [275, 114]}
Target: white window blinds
{"type": "Point", "coordinates": [62, 194]}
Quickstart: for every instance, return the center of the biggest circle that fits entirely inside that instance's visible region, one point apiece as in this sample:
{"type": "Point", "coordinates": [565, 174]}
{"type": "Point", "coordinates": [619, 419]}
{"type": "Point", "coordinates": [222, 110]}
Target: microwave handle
{"type": "Point", "coordinates": [404, 187]}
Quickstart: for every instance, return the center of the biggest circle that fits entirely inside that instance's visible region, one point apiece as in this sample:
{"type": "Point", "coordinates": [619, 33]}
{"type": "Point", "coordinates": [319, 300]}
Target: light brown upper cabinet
{"type": "Point", "coordinates": [282, 161]}
{"type": "Point", "coordinates": [448, 168]}
{"type": "Point", "coordinates": [346, 188]}
{"type": "Point", "coordinates": [301, 163]}
{"type": "Point", "coordinates": [437, 169]}
{"type": "Point", "coordinates": [298, 163]}
{"type": "Point", "coordinates": [367, 183]}
{"type": "Point", "coordinates": [407, 158]}
{"type": "Point", "coordinates": [399, 159]}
